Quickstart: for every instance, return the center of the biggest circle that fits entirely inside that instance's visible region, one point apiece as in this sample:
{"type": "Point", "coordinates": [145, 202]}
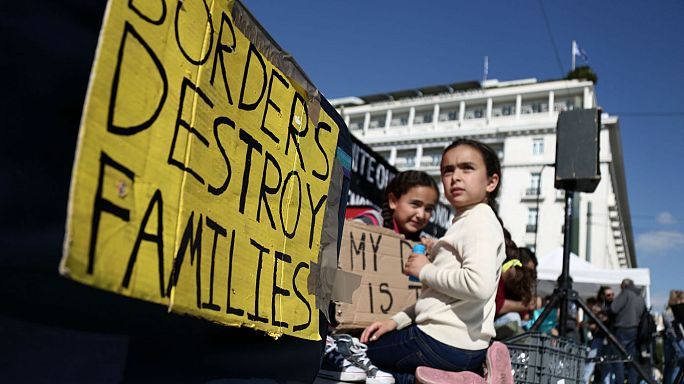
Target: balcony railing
{"type": "Point", "coordinates": [532, 194]}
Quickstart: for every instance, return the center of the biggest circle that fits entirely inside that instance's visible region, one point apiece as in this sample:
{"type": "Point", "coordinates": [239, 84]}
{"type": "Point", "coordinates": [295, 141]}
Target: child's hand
{"type": "Point", "coordinates": [428, 242]}
{"type": "Point", "coordinates": [415, 264]}
{"type": "Point", "coordinates": [377, 329]}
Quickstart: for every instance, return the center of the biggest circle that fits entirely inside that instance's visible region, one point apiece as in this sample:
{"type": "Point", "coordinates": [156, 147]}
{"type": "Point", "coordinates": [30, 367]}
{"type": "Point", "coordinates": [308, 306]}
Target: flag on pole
{"type": "Point", "coordinates": [577, 51]}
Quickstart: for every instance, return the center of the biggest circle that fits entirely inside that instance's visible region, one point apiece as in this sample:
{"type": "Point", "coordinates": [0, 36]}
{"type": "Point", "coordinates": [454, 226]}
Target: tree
{"type": "Point", "coordinates": [583, 72]}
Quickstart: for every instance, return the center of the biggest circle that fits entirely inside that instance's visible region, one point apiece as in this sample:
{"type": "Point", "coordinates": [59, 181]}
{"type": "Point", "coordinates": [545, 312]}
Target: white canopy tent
{"type": "Point", "coordinates": [586, 277]}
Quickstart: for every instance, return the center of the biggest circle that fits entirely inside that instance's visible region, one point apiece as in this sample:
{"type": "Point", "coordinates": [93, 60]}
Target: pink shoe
{"type": "Point", "coordinates": [427, 375]}
{"type": "Point", "coordinates": [499, 370]}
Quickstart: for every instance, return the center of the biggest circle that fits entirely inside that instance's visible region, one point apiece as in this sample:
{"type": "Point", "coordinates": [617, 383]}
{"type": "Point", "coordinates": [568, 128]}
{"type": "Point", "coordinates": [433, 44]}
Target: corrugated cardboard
{"type": "Point", "coordinates": [378, 255]}
{"type": "Point", "coordinates": [203, 169]}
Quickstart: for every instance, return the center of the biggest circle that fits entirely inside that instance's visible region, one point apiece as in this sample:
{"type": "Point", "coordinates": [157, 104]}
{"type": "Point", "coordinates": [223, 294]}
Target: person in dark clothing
{"type": "Point", "coordinates": [597, 345]}
{"type": "Point", "coordinates": [604, 298]}
{"type": "Point", "coordinates": [673, 336]}
{"type": "Point", "coordinates": [627, 308]}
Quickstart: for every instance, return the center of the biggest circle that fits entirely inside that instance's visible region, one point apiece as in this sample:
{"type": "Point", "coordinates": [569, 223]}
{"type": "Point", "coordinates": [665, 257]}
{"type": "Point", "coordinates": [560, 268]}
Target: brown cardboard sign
{"type": "Point", "coordinates": [378, 255]}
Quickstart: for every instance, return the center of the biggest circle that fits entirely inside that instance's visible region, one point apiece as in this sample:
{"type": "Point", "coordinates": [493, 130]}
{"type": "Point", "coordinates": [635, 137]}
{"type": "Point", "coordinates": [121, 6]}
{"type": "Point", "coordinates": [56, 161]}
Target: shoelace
{"type": "Point", "coordinates": [333, 355]}
{"type": "Point", "coordinates": [358, 350]}
{"type": "Point", "coordinates": [329, 346]}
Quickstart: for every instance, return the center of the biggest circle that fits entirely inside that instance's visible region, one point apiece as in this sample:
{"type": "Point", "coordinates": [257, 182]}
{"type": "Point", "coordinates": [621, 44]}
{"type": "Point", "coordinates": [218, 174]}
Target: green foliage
{"type": "Point", "coordinates": [583, 72]}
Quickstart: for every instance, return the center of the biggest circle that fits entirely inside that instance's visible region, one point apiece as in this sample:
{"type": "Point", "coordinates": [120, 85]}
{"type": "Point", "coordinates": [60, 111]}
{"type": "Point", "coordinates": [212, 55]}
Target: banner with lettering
{"type": "Point", "coordinates": [202, 170]}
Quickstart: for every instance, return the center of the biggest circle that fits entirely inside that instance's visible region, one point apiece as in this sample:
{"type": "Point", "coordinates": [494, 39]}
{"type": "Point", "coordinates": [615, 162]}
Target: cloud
{"type": "Point", "coordinates": [666, 218]}
{"type": "Point", "coordinates": [659, 242]}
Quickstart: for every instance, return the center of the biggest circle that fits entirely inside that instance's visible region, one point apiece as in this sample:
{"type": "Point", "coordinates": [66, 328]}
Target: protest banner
{"type": "Point", "coordinates": [376, 254]}
{"type": "Point", "coordinates": [202, 170]}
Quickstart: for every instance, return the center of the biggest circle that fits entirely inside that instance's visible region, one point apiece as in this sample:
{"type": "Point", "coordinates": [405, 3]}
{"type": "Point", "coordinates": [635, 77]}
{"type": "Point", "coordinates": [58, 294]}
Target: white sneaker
{"type": "Point", "coordinates": [355, 351]}
{"type": "Point", "coordinates": [336, 367]}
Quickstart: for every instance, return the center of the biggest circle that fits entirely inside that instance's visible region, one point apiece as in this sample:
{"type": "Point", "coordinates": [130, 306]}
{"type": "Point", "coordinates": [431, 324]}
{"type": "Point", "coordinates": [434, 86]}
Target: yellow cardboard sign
{"type": "Point", "coordinates": [201, 178]}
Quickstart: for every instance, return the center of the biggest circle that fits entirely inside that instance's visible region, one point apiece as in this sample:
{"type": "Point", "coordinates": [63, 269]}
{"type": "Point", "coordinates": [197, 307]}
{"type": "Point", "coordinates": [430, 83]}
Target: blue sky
{"type": "Point", "coordinates": [352, 48]}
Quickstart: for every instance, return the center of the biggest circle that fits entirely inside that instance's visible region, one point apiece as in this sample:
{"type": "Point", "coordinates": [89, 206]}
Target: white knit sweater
{"type": "Point", "coordinates": [456, 305]}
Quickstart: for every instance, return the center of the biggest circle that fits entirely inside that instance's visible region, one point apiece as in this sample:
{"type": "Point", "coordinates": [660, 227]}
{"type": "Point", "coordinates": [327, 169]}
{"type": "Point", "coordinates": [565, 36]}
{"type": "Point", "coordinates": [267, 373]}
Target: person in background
{"type": "Point", "coordinates": [452, 322]}
{"type": "Point", "coordinates": [548, 325]}
{"type": "Point", "coordinates": [515, 296]}
{"type": "Point", "coordinates": [528, 258]}
{"type": "Point", "coordinates": [409, 201]}
{"type": "Point", "coordinates": [627, 309]}
{"type": "Point", "coordinates": [529, 261]}
{"type": "Point", "coordinates": [597, 345]}
{"type": "Point", "coordinates": [604, 298]}
{"type": "Point", "coordinates": [673, 336]}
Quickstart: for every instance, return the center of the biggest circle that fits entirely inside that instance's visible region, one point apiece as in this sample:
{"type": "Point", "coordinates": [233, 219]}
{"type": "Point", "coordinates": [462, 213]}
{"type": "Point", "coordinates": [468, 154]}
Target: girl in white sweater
{"type": "Point", "coordinates": [452, 322]}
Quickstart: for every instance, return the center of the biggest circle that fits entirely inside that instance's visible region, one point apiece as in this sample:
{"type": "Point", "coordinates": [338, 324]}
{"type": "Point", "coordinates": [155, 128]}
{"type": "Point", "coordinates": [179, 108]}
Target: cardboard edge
{"type": "Point", "coordinates": [62, 268]}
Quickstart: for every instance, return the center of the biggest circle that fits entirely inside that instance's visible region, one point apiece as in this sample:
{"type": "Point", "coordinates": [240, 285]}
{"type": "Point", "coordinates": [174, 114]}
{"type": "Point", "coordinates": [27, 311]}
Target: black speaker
{"type": "Point", "coordinates": [577, 150]}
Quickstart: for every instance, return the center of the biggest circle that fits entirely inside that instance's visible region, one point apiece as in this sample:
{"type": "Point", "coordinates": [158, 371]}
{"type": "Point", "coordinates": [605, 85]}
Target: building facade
{"type": "Point", "coordinates": [411, 128]}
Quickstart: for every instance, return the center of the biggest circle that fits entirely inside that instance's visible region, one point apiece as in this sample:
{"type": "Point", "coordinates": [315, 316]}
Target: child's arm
{"type": "Point", "coordinates": [377, 329]}
{"type": "Point", "coordinates": [479, 242]}
{"type": "Point", "coordinates": [514, 306]}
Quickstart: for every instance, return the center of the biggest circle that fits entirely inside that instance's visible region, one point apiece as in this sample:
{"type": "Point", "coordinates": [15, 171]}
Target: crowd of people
{"type": "Point", "coordinates": [623, 315]}
{"type": "Point", "coordinates": [478, 287]}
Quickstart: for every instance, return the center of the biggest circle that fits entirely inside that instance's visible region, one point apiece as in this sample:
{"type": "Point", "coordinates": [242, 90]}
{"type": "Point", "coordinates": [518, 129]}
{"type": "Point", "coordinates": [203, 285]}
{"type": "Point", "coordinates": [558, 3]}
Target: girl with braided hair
{"type": "Point", "coordinates": [409, 202]}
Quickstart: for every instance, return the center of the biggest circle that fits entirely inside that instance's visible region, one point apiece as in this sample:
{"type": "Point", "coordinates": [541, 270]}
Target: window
{"type": "Point", "coordinates": [503, 110]}
{"type": "Point", "coordinates": [400, 120]}
{"type": "Point", "coordinates": [423, 118]}
{"type": "Point", "coordinates": [377, 121]}
{"type": "Point", "coordinates": [535, 106]}
{"type": "Point", "coordinates": [539, 107]}
{"type": "Point", "coordinates": [448, 114]}
{"type": "Point", "coordinates": [474, 113]}
{"type": "Point", "coordinates": [406, 158]}
{"type": "Point", "coordinates": [535, 180]}
{"type": "Point", "coordinates": [356, 123]}
{"type": "Point", "coordinates": [564, 105]}
{"type": "Point", "coordinates": [537, 147]}
{"type": "Point", "coordinates": [435, 156]}
{"type": "Point", "coordinates": [532, 220]}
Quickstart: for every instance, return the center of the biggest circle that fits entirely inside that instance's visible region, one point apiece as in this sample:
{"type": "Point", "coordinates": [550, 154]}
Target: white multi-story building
{"type": "Point", "coordinates": [411, 128]}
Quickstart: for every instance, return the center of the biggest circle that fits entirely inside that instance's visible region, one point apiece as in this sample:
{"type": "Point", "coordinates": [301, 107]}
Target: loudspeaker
{"type": "Point", "coordinates": [577, 150]}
